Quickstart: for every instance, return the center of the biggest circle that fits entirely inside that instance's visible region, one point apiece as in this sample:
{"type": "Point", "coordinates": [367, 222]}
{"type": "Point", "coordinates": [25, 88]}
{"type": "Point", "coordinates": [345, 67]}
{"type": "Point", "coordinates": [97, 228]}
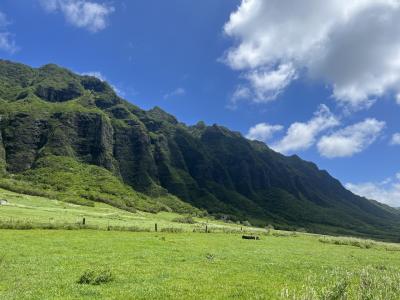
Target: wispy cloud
{"type": "Point", "coordinates": [395, 139]}
{"type": "Point", "coordinates": [7, 39]}
{"type": "Point", "coordinates": [175, 93]}
{"type": "Point", "coordinates": [387, 191]}
{"type": "Point", "coordinates": [89, 15]}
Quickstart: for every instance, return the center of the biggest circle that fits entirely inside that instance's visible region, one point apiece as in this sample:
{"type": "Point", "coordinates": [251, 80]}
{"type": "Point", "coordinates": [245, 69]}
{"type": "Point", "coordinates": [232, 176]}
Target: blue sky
{"type": "Point", "coordinates": [318, 80]}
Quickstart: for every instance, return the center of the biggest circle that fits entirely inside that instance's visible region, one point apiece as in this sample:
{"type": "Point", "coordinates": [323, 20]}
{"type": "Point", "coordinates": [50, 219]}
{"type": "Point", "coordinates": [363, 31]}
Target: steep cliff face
{"type": "Point", "coordinates": [133, 152]}
{"type": "Point", "coordinates": [50, 111]}
{"type": "Point", "coordinates": [23, 137]}
{"type": "Point", "coordinates": [85, 136]}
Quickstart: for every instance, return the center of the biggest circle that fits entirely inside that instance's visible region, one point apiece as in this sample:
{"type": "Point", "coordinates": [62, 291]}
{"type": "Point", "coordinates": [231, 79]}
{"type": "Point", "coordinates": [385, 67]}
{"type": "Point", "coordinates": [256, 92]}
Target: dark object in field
{"type": "Point", "coordinates": [210, 256]}
{"type": "Point", "coordinates": [250, 237]}
{"type": "Point", "coordinates": [83, 221]}
{"type": "Point", "coordinates": [155, 227]}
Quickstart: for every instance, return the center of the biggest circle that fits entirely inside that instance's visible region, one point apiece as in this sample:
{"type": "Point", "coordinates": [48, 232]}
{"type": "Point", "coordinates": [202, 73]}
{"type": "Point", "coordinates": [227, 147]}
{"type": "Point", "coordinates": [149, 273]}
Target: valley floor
{"type": "Point", "coordinates": [101, 264]}
{"type": "Point", "coordinates": [43, 264]}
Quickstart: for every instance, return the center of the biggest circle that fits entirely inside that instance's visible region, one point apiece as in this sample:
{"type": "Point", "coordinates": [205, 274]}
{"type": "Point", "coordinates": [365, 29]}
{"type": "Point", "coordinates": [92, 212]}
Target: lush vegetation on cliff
{"type": "Point", "coordinates": [72, 138]}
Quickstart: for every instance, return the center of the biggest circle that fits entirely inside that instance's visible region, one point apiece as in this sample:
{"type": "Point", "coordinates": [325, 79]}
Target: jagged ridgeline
{"type": "Point", "coordinates": [72, 138]}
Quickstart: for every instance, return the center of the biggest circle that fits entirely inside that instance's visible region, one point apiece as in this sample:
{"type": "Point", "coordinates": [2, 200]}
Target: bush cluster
{"type": "Point", "coordinates": [96, 277]}
{"type": "Point", "coordinates": [185, 220]}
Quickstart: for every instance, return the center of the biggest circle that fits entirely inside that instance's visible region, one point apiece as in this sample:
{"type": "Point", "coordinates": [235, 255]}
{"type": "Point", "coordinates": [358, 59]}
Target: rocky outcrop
{"type": "Point", "coordinates": [53, 94]}
{"type": "Point", "coordinates": [133, 152]}
{"type": "Point", "coordinates": [85, 136]}
{"type": "Point", "coordinates": [23, 137]}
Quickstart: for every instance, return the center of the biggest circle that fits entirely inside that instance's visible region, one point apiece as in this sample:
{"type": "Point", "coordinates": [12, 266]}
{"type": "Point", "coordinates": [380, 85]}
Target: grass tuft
{"type": "Point", "coordinates": [128, 228]}
{"type": "Point", "coordinates": [171, 229]}
{"type": "Point", "coordinates": [210, 257]}
{"type": "Point", "coordinates": [96, 277]}
{"type": "Point", "coordinates": [184, 220]}
{"type": "Point", "coordinates": [284, 233]}
{"type": "Point", "coordinates": [360, 243]}
{"type": "Point", "coordinates": [338, 284]}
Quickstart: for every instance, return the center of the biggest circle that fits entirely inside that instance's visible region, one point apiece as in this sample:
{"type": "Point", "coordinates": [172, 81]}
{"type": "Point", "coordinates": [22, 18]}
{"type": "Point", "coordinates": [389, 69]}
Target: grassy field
{"type": "Point", "coordinates": [31, 210]}
{"type": "Point", "coordinates": [101, 264]}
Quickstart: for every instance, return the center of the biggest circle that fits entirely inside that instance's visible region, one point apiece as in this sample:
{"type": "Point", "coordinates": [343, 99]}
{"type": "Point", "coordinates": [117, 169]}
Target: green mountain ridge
{"type": "Point", "coordinates": [72, 136]}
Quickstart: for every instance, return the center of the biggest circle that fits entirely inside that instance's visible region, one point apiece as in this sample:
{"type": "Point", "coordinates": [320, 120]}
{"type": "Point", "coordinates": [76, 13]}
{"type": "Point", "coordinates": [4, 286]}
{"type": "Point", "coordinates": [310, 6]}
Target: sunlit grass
{"type": "Point", "coordinates": [180, 261]}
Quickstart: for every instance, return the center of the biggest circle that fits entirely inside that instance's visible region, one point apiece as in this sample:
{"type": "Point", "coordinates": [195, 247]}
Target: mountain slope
{"type": "Point", "coordinates": [52, 115]}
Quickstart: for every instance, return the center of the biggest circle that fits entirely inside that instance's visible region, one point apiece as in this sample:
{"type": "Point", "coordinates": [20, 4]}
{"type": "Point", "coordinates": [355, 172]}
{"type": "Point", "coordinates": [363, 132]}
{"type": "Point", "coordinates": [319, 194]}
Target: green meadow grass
{"type": "Point", "coordinates": [25, 209]}
{"type": "Point", "coordinates": [101, 264]}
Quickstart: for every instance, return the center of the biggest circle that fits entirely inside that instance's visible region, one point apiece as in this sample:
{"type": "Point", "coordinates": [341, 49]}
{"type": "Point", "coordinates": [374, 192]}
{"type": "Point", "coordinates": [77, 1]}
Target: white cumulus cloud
{"type": "Point", "coordinates": [301, 136]}
{"type": "Point", "coordinates": [81, 13]}
{"type": "Point", "coordinates": [351, 139]}
{"type": "Point", "coordinates": [352, 46]}
{"type": "Point", "coordinates": [387, 191]}
{"type": "Point", "coordinates": [263, 131]}
{"type": "Point", "coordinates": [267, 84]}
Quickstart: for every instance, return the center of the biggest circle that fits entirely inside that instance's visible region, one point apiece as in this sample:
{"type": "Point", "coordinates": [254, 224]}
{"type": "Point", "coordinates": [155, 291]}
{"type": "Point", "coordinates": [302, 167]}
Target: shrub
{"type": "Point", "coordinates": [24, 188]}
{"type": "Point", "coordinates": [186, 220]}
{"type": "Point", "coordinates": [74, 200]}
{"type": "Point", "coordinates": [284, 234]}
{"type": "Point", "coordinates": [27, 225]}
{"type": "Point", "coordinates": [172, 229]}
{"type": "Point", "coordinates": [17, 225]}
{"type": "Point", "coordinates": [210, 256]}
{"type": "Point", "coordinates": [152, 210]}
{"type": "Point", "coordinates": [365, 283]}
{"type": "Point", "coordinates": [360, 243]}
{"type": "Point", "coordinates": [231, 230]}
{"type": "Point", "coordinates": [246, 223]}
{"type": "Point", "coordinates": [96, 277]}
{"type": "Point", "coordinates": [269, 227]}
{"type": "Point", "coordinates": [128, 228]}
{"type": "Point", "coordinates": [338, 290]}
